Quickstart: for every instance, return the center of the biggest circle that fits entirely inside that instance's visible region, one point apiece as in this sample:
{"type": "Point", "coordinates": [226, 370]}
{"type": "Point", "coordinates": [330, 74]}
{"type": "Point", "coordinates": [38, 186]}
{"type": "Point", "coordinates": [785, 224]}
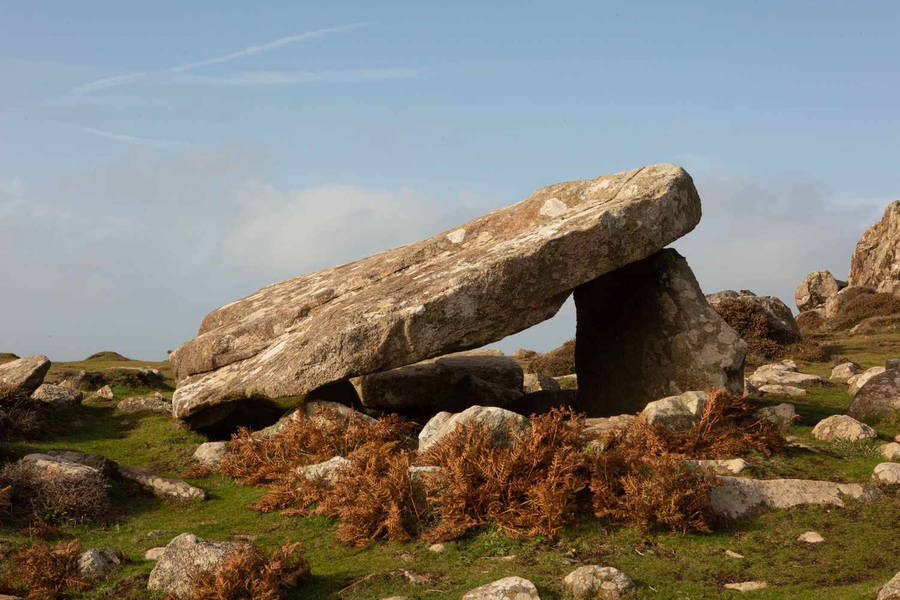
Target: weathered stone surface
{"type": "Point", "coordinates": [736, 497]}
{"type": "Point", "coordinates": [98, 562]}
{"type": "Point", "coordinates": [105, 465]}
{"type": "Point", "coordinates": [676, 412]}
{"type": "Point", "coordinates": [784, 373]}
{"type": "Point", "coordinates": [451, 382]}
{"type": "Point", "coordinates": [731, 466]}
{"type": "Point", "coordinates": [877, 397]}
{"type": "Point", "coordinates": [105, 393]}
{"type": "Point", "coordinates": [777, 389]}
{"type": "Point", "coordinates": [538, 382]}
{"type": "Point", "coordinates": [815, 289]}
{"type": "Point", "coordinates": [458, 290]}
{"type": "Point", "coordinates": [183, 556]}
{"type": "Point", "coordinates": [58, 396]}
{"type": "Point", "coordinates": [891, 451]}
{"type": "Point", "coordinates": [875, 262]}
{"type": "Point", "coordinates": [857, 381]}
{"type": "Point", "coordinates": [595, 582]}
{"type": "Point", "coordinates": [845, 371]}
{"type": "Point", "coordinates": [154, 553]}
{"type": "Point", "coordinates": [25, 374]}
{"type": "Point", "coordinates": [156, 403]}
{"type": "Point", "coordinates": [783, 415]}
{"type": "Point", "coordinates": [210, 453]}
{"type": "Point", "coordinates": [508, 588]}
{"type": "Point", "coordinates": [746, 586]}
{"type": "Point", "coordinates": [323, 471]}
{"type": "Point", "coordinates": [890, 590]}
{"type": "Point", "coordinates": [811, 537]}
{"type": "Point", "coordinates": [161, 486]}
{"type": "Point", "coordinates": [844, 428]}
{"type": "Point", "coordinates": [779, 317]}
{"type": "Point", "coordinates": [887, 473]}
{"type": "Point", "coordinates": [500, 423]}
{"type": "Point", "coordinates": [645, 332]}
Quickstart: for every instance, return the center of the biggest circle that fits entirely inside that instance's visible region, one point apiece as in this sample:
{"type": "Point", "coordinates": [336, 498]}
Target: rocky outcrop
{"type": "Point", "coordinates": [500, 424]}
{"type": "Point", "coordinates": [25, 374]}
{"type": "Point", "coordinates": [875, 262]}
{"type": "Point", "coordinates": [876, 397]}
{"type": "Point", "coordinates": [842, 428]}
{"type": "Point", "coordinates": [508, 588]}
{"type": "Point", "coordinates": [779, 319]}
{"type": "Point", "coordinates": [816, 289]}
{"type": "Point", "coordinates": [645, 332]}
{"type": "Point", "coordinates": [736, 497]}
{"type": "Point", "coordinates": [450, 382]}
{"type": "Point", "coordinates": [183, 556]}
{"type": "Point", "coordinates": [595, 582]}
{"type": "Point", "coordinates": [461, 289]}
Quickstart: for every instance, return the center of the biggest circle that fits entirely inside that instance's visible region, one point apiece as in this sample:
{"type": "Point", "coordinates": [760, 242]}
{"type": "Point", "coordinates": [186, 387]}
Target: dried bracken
{"type": "Point", "coordinates": [249, 574]}
{"type": "Point", "coordinates": [557, 362]}
{"type": "Point", "coordinates": [46, 572]}
{"type": "Point", "coordinates": [21, 417]}
{"type": "Point", "coordinates": [49, 501]}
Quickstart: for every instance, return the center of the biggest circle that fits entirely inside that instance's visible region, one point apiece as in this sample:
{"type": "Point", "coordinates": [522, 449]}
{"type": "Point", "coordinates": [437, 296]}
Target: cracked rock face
{"type": "Point", "coordinates": [875, 262]}
{"type": "Point", "coordinates": [473, 285]}
{"type": "Point", "coordinates": [24, 374]}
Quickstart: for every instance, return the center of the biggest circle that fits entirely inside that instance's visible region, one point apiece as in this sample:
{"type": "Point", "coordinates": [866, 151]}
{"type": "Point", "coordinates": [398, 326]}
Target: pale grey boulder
{"type": "Point", "coordinates": [162, 487]}
{"type": "Point", "coordinates": [857, 381]}
{"type": "Point", "coordinates": [729, 466]}
{"type": "Point", "coordinates": [508, 588]}
{"type": "Point", "coordinates": [815, 289]}
{"type": "Point", "coordinates": [595, 582]}
{"type": "Point", "coordinates": [887, 473]}
{"type": "Point", "coordinates": [844, 371]}
{"type": "Point", "coordinates": [183, 556]}
{"type": "Point", "coordinates": [105, 465]}
{"type": "Point", "coordinates": [57, 396]}
{"type": "Point", "coordinates": [24, 375]}
{"type": "Point", "coordinates": [676, 412]}
{"type": "Point", "coordinates": [736, 497]}
{"type": "Point", "coordinates": [890, 590]}
{"type": "Point", "coordinates": [210, 454]}
{"type": "Point", "coordinates": [842, 428]}
{"type": "Point", "coordinates": [778, 389]}
{"type": "Point", "coordinates": [502, 425]}
{"type": "Point", "coordinates": [324, 472]}
{"type": "Point", "coordinates": [891, 451]}
{"type": "Point", "coordinates": [461, 289]}
{"type": "Point", "coordinates": [646, 331]}
{"type": "Point", "coordinates": [876, 397]}
{"type": "Point", "coordinates": [97, 563]}
{"type": "Point", "coordinates": [153, 403]}
{"type": "Point", "coordinates": [784, 373]}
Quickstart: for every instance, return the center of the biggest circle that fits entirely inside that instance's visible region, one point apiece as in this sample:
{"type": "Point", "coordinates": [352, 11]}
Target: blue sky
{"type": "Point", "coordinates": [160, 159]}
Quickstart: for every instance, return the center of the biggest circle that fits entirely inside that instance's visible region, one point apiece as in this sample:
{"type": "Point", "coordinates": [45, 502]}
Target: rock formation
{"type": "Point", "coordinates": [461, 289]}
{"type": "Point", "coordinates": [780, 321]}
{"type": "Point", "coordinates": [875, 262]}
{"type": "Point", "coordinates": [815, 289]}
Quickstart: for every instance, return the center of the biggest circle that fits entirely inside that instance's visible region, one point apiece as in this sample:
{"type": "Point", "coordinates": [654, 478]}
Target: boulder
{"type": "Point", "coordinates": [779, 318]}
{"type": "Point", "coordinates": [875, 263]}
{"type": "Point", "coordinates": [322, 413]}
{"type": "Point", "coordinates": [676, 412]}
{"type": "Point", "coordinates": [501, 424]}
{"type": "Point", "coordinates": [736, 497]}
{"type": "Point", "coordinates": [857, 381]}
{"type": "Point", "coordinates": [891, 451]}
{"type": "Point", "coordinates": [97, 563]}
{"type": "Point", "coordinates": [645, 332]}
{"type": "Point", "coordinates": [890, 590]}
{"type": "Point", "coordinates": [324, 472]}
{"type": "Point", "coordinates": [25, 374]}
{"type": "Point", "coordinates": [782, 415]}
{"type": "Point", "coordinates": [837, 305]}
{"type": "Point", "coordinates": [58, 396]}
{"type": "Point", "coordinates": [461, 289]}
{"type": "Point", "coordinates": [842, 428]}
{"type": "Point", "coordinates": [777, 389]}
{"type": "Point", "coordinates": [877, 397]}
{"type": "Point", "coordinates": [538, 382]}
{"type": "Point", "coordinates": [593, 581]}
{"type": "Point", "coordinates": [48, 467]}
{"type": "Point", "coordinates": [815, 289]}
{"type": "Point", "coordinates": [154, 403]}
{"type": "Point", "coordinates": [210, 454]}
{"type": "Point", "coordinates": [508, 588]}
{"type": "Point", "coordinates": [105, 465]}
{"type": "Point", "coordinates": [599, 431]}
{"type": "Point", "coordinates": [784, 373]}
{"type": "Point", "coordinates": [105, 393]}
{"type": "Point", "coordinates": [182, 557]}
{"type": "Point", "coordinates": [450, 382]}
{"type": "Point", "coordinates": [845, 371]}
{"type": "Point", "coordinates": [162, 487]}
{"type": "Point", "coordinates": [887, 473]}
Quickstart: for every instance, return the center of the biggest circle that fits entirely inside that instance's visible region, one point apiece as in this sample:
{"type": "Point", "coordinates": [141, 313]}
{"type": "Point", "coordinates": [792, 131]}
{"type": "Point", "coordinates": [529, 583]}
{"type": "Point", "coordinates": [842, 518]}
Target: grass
{"type": "Point", "coordinates": [665, 565]}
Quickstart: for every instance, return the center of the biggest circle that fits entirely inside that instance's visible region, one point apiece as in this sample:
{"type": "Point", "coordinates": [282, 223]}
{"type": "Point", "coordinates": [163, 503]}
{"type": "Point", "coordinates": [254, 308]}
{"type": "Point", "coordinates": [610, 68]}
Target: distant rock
{"type": "Point", "coordinates": [842, 428]}
{"type": "Point", "coordinates": [676, 412]}
{"type": "Point", "coordinates": [779, 318]}
{"type": "Point", "coordinates": [58, 396]}
{"type": "Point", "coordinates": [508, 588]}
{"type": "Point", "coordinates": [736, 497]}
{"type": "Point", "coordinates": [154, 403]}
{"type": "Point", "coordinates": [501, 424]}
{"type": "Point", "coordinates": [876, 397]}
{"type": "Point", "coordinates": [876, 261]}
{"type": "Point", "coordinates": [182, 557]}
{"type": "Point", "coordinates": [162, 487]}
{"type": "Point", "coordinates": [838, 305]}
{"type": "Point", "coordinates": [815, 289]}
{"type": "Point", "coordinates": [98, 562]}
{"type": "Point", "coordinates": [593, 581]}
{"type": "Point", "coordinates": [210, 454]}
{"type": "Point", "coordinates": [887, 473]}
{"type": "Point", "coordinates": [25, 374]}
{"type": "Point", "coordinates": [784, 373]}
{"type": "Point", "coordinates": [812, 321]}
{"type": "Point", "coordinates": [845, 371]}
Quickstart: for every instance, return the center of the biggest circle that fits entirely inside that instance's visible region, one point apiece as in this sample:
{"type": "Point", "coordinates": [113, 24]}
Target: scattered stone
{"type": "Point", "coordinates": [502, 424]}
{"type": "Point", "coordinates": [731, 466]}
{"type": "Point", "coordinates": [25, 374]}
{"type": "Point", "coordinates": [890, 451]}
{"type": "Point", "coordinates": [845, 371]}
{"type": "Point", "coordinates": [45, 466]}
{"type": "Point", "coordinates": [436, 548]}
{"type": "Point", "coordinates": [782, 415]}
{"type": "Point", "coordinates": [878, 397]}
{"type": "Point", "coordinates": [843, 428]}
{"type": "Point", "coordinates": [776, 389]}
{"type": "Point", "coordinates": [462, 289]}
{"type": "Point", "coordinates": [154, 553]}
{"type": "Point", "coordinates": [890, 590]}
{"type": "Point", "coordinates": [733, 554]}
{"type": "Point", "coordinates": [326, 472]}
{"type": "Point", "coordinates": [162, 487]}
{"type": "Point", "coordinates": [183, 556]}
{"type": "Point", "coordinates": [645, 332]}
{"type": "Point", "coordinates": [784, 373]}
{"type": "Point", "coordinates": [105, 465]}
{"type": "Point", "coordinates": [210, 454]}
{"type": "Point", "coordinates": [736, 497]}
{"type": "Point", "coordinates": [747, 586]}
{"type": "Point", "coordinates": [155, 403]}
{"type": "Point", "coordinates": [811, 537]}
{"type": "Point", "coordinates": [676, 412]}
{"type": "Point", "coordinates": [98, 562]}
{"type": "Point", "coordinates": [538, 382]}
{"type": "Point", "coordinates": [594, 581]}
{"type": "Point", "coordinates": [508, 588]}
{"type": "Point", "coordinates": [778, 315]}
{"type": "Point", "coordinates": [857, 381]}
{"type": "Point", "coordinates": [105, 393]}
{"type": "Point", "coordinates": [58, 396]}
{"type": "Point", "coordinates": [874, 262]}
{"type": "Point", "coordinates": [815, 290]}
{"type": "Point", "coordinates": [887, 472]}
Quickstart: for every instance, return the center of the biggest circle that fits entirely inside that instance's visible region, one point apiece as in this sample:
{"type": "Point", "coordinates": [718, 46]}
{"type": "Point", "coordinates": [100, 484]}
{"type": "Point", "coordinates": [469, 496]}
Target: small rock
{"type": "Point", "coordinates": [844, 428]}
{"type": "Point", "coordinates": [25, 374]}
{"type": "Point", "coordinates": [782, 415]}
{"type": "Point", "coordinates": [104, 393]}
{"type": "Point", "coordinates": [811, 537]}
{"type": "Point", "coordinates": [844, 371]}
{"type": "Point", "coordinates": [891, 451]}
{"type": "Point", "coordinates": [502, 424]}
{"type": "Point", "coordinates": [890, 590]}
{"type": "Point", "coordinates": [731, 466]}
{"type": "Point", "coordinates": [887, 472]}
{"type": "Point", "coordinates": [733, 554]}
{"type": "Point", "coordinates": [676, 412]}
{"type": "Point", "coordinates": [98, 562]}
{"type": "Point", "coordinates": [326, 471]}
{"type": "Point", "coordinates": [747, 586]}
{"type": "Point", "coordinates": [162, 487]}
{"type": "Point", "coordinates": [210, 453]}
{"type": "Point", "coordinates": [154, 553]}
{"type": "Point", "coordinates": [147, 536]}
{"type": "Point", "coordinates": [784, 373]}
{"type": "Point", "coordinates": [181, 558]}
{"type": "Point", "coordinates": [154, 403]}
{"type": "Point", "coordinates": [508, 588]}
{"type": "Point", "coordinates": [58, 396]}
{"type": "Point", "coordinates": [594, 581]}
{"type": "Point", "coordinates": [436, 548]}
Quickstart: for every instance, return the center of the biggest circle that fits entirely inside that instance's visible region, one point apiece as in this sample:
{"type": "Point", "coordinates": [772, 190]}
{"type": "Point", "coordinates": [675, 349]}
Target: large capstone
{"type": "Point", "coordinates": [461, 289]}
{"type": "Point", "coordinates": [645, 332]}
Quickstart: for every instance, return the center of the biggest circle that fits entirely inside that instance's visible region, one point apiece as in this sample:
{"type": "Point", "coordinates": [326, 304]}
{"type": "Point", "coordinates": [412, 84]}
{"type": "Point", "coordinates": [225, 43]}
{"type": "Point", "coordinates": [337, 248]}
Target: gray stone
{"type": "Point", "coordinates": [646, 331]}
{"type": "Point", "coordinates": [538, 382]}
{"type": "Point", "coordinates": [736, 497]}
{"type": "Point", "coordinates": [325, 472]}
{"type": "Point", "coordinates": [815, 290]}
{"type": "Point", "coordinates": [811, 537]}
{"type": "Point", "coordinates": [747, 586]}
{"type": "Point", "coordinates": [183, 556]}
{"type": "Point", "coordinates": [784, 373]}
{"type": "Point", "coordinates": [777, 389]}
{"type": "Point", "coordinates": [877, 397]}
{"type": "Point", "coordinates": [891, 451]}
{"type": "Point", "coordinates": [210, 453]}
{"type": "Point", "coordinates": [842, 428]}
{"type": "Point", "coordinates": [58, 396]}
{"type": "Point", "coordinates": [503, 425]}
{"type": "Point", "coordinates": [154, 403]}
{"type": "Point", "coordinates": [24, 375]}
{"type": "Point", "coordinates": [105, 465]}
{"type": "Point", "coordinates": [676, 412]}
{"type": "Point", "coordinates": [162, 487]}
{"type": "Point", "coordinates": [508, 588]}
{"type": "Point", "coordinates": [461, 289]}
{"type": "Point", "coordinates": [98, 562]}
{"type": "Point", "coordinates": [154, 553]}
{"type": "Point", "coordinates": [876, 261]}
{"type": "Point", "coordinates": [731, 466]}
{"type": "Point", "coordinates": [857, 381]}
{"type": "Point", "coordinates": [845, 371]}
{"type": "Point", "coordinates": [105, 393]}
{"type": "Point", "coordinates": [45, 466]}
{"type": "Point", "coordinates": [782, 415]}
{"type": "Point", "coordinates": [593, 581]}
{"type": "Point", "coordinates": [887, 473]}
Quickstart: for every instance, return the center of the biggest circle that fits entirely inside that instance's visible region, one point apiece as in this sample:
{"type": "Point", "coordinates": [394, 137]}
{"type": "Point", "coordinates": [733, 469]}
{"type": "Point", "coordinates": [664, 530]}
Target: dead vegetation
{"type": "Point", "coordinates": [863, 306]}
{"type": "Point", "coordinates": [765, 342]}
{"type": "Point", "coordinates": [45, 501]}
{"type": "Point", "coordinates": [555, 363]}
{"type": "Point", "coordinates": [249, 574]}
{"type": "Point", "coordinates": [44, 572]}
{"type": "Point", "coordinates": [547, 479]}
{"type": "Point", "coordinates": [21, 417]}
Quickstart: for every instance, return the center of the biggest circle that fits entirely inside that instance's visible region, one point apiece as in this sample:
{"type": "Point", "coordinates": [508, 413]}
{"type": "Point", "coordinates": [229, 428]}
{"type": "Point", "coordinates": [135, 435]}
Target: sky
{"type": "Point", "coordinates": [158, 160]}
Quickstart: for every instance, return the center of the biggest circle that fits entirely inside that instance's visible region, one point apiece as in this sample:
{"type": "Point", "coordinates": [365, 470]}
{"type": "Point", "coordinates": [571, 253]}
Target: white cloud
{"type": "Point", "coordinates": [253, 78]}
{"type": "Point", "coordinates": [130, 139]}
